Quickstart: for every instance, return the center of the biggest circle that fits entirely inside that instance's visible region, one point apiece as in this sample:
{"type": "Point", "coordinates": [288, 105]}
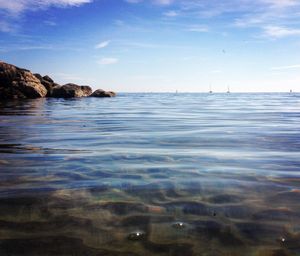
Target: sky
{"type": "Point", "coordinates": [156, 45]}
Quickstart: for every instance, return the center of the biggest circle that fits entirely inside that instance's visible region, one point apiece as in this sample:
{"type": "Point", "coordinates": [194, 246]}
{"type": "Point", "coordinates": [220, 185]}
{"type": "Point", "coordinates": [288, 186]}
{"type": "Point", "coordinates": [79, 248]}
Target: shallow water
{"type": "Point", "coordinates": [151, 174]}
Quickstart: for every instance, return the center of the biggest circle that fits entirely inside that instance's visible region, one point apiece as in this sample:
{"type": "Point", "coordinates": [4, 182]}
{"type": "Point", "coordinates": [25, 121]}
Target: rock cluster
{"type": "Point", "coordinates": [19, 83]}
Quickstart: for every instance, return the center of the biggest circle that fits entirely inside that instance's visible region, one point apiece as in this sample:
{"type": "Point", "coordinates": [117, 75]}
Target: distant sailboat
{"type": "Point", "coordinates": [210, 91]}
{"type": "Point", "coordinates": [291, 91]}
{"type": "Point", "coordinates": [228, 90]}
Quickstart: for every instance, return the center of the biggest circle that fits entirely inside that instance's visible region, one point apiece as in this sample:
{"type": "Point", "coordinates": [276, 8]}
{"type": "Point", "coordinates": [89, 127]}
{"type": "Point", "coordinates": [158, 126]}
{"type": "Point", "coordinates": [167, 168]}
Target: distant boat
{"type": "Point", "coordinates": [228, 90]}
{"type": "Point", "coordinates": [210, 91]}
{"type": "Point", "coordinates": [291, 91]}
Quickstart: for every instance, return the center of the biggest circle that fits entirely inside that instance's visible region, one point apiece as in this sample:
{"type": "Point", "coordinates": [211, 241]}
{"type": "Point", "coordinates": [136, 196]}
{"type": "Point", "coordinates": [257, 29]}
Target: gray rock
{"type": "Point", "coordinates": [18, 83]}
{"type": "Point", "coordinates": [48, 83]}
{"type": "Point", "coordinates": [48, 79]}
{"type": "Point", "coordinates": [103, 94]}
{"type": "Point", "coordinates": [70, 91]}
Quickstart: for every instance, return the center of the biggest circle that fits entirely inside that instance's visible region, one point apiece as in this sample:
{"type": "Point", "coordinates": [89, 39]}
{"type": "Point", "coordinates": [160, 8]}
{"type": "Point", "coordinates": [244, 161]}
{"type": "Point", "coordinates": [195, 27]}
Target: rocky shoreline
{"type": "Point", "coordinates": [20, 83]}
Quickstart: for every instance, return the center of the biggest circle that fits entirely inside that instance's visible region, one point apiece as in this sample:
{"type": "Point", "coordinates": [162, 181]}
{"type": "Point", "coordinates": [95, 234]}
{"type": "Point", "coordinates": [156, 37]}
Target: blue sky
{"type": "Point", "coordinates": [156, 45]}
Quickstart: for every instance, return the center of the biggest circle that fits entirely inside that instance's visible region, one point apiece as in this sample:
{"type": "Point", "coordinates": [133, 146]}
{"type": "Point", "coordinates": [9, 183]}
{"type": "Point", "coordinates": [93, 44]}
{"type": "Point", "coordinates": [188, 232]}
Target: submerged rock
{"type": "Point", "coordinates": [54, 245]}
{"type": "Point", "coordinates": [122, 208]}
{"type": "Point", "coordinates": [18, 83]}
{"type": "Point", "coordinates": [272, 252]}
{"type": "Point", "coordinates": [224, 199]}
{"type": "Point", "coordinates": [179, 225]}
{"type": "Point", "coordinates": [103, 94]}
{"type": "Point", "coordinates": [70, 91]}
{"type": "Point", "coordinates": [137, 236]}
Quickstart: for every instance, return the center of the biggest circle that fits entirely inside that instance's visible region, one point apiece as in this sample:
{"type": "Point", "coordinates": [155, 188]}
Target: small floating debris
{"type": "Point", "coordinates": [178, 225]}
{"type": "Point", "coordinates": [137, 236]}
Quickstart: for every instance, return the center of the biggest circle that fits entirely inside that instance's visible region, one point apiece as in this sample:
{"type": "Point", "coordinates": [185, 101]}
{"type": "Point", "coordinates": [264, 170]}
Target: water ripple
{"type": "Point", "coordinates": [118, 176]}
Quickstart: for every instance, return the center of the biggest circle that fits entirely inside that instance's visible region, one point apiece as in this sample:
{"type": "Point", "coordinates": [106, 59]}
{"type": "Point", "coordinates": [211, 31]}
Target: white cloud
{"type": "Point", "coordinates": [69, 77]}
{"type": "Point", "coordinates": [158, 2]}
{"type": "Point", "coordinates": [278, 31]}
{"type": "Point", "coordinates": [119, 23]}
{"type": "Point", "coordinates": [18, 6]}
{"type": "Point", "coordinates": [50, 23]}
{"type": "Point", "coordinates": [34, 47]}
{"type": "Point", "coordinates": [245, 13]}
{"type": "Point", "coordinates": [149, 45]}
{"type": "Point", "coordinates": [12, 6]}
{"type": "Point", "coordinates": [108, 61]}
{"type": "Point", "coordinates": [11, 10]}
{"type": "Point", "coordinates": [5, 26]}
{"type": "Point", "coordinates": [286, 67]}
{"type": "Point", "coordinates": [275, 18]}
{"type": "Point", "coordinates": [280, 3]}
{"type": "Point", "coordinates": [251, 21]}
{"type": "Point", "coordinates": [142, 45]}
{"type": "Point", "coordinates": [163, 2]}
{"type": "Point", "coordinates": [30, 45]}
{"type": "Point", "coordinates": [197, 28]}
{"type": "Point", "coordinates": [133, 1]}
{"type": "Point", "coordinates": [171, 13]}
{"type": "Point", "coordinates": [102, 44]}
{"type": "Point", "coordinates": [73, 78]}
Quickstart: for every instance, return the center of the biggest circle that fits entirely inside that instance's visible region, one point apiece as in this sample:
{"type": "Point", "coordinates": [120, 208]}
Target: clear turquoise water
{"type": "Point", "coordinates": [91, 172]}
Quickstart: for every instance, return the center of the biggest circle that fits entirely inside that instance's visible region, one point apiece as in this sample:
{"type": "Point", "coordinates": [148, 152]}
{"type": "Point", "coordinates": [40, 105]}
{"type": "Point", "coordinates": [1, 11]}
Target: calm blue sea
{"type": "Point", "coordinates": [151, 174]}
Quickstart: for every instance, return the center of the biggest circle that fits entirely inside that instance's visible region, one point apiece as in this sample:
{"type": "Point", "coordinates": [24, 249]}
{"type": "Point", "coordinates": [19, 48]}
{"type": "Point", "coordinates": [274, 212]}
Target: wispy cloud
{"type": "Point", "coordinates": [133, 1]}
{"type": "Point", "coordinates": [275, 18]}
{"type": "Point", "coordinates": [141, 45]}
{"type": "Point", "coordinates": [197, 28]}
{"type": "Point", "coordinates": [12, 11]}
{"type": "Point", "coordinates": [278, 32]}
{"type": "Point", "coordinates": [286, 67]}
{"type": "Point", "coordinates": [50, 23]}
{"type": "Point", "coordinates": [251, 20]}
{"type": "Point", "coordinates": [108, 61]}
{"type": "Point", "coordinates": [149, 45]}
{"type": "Point", "coordinates": [119, 23]}
{"type": "Point", "coordinates": [280, 3]}
{"type": "Point", "coordinates": [67, 78]}
{"type": "Point", "coordinates": [5, 26]}
{"type": "Point", "coordinates": [102, 44]}
{"type": "Point", "coordinates": [171, 13]}
{"type": "Point", "coordinates": [19, 6]}
{"type": "Point", "coordinates": [34, 45]}
{"type": "Point", "coordinates": [163, 2]}
{"type": "Point", "coordinates": [157, 2]}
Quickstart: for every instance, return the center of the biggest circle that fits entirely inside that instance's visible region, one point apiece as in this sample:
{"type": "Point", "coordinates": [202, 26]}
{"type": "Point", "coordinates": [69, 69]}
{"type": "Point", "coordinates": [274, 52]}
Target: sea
{"type": "Point", "coordinates": [170, 174]}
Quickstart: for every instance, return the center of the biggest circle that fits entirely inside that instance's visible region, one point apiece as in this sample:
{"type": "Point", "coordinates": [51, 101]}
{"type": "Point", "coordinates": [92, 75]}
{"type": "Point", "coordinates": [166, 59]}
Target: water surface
{"type": "Point", "coordinates": [151, 174]}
